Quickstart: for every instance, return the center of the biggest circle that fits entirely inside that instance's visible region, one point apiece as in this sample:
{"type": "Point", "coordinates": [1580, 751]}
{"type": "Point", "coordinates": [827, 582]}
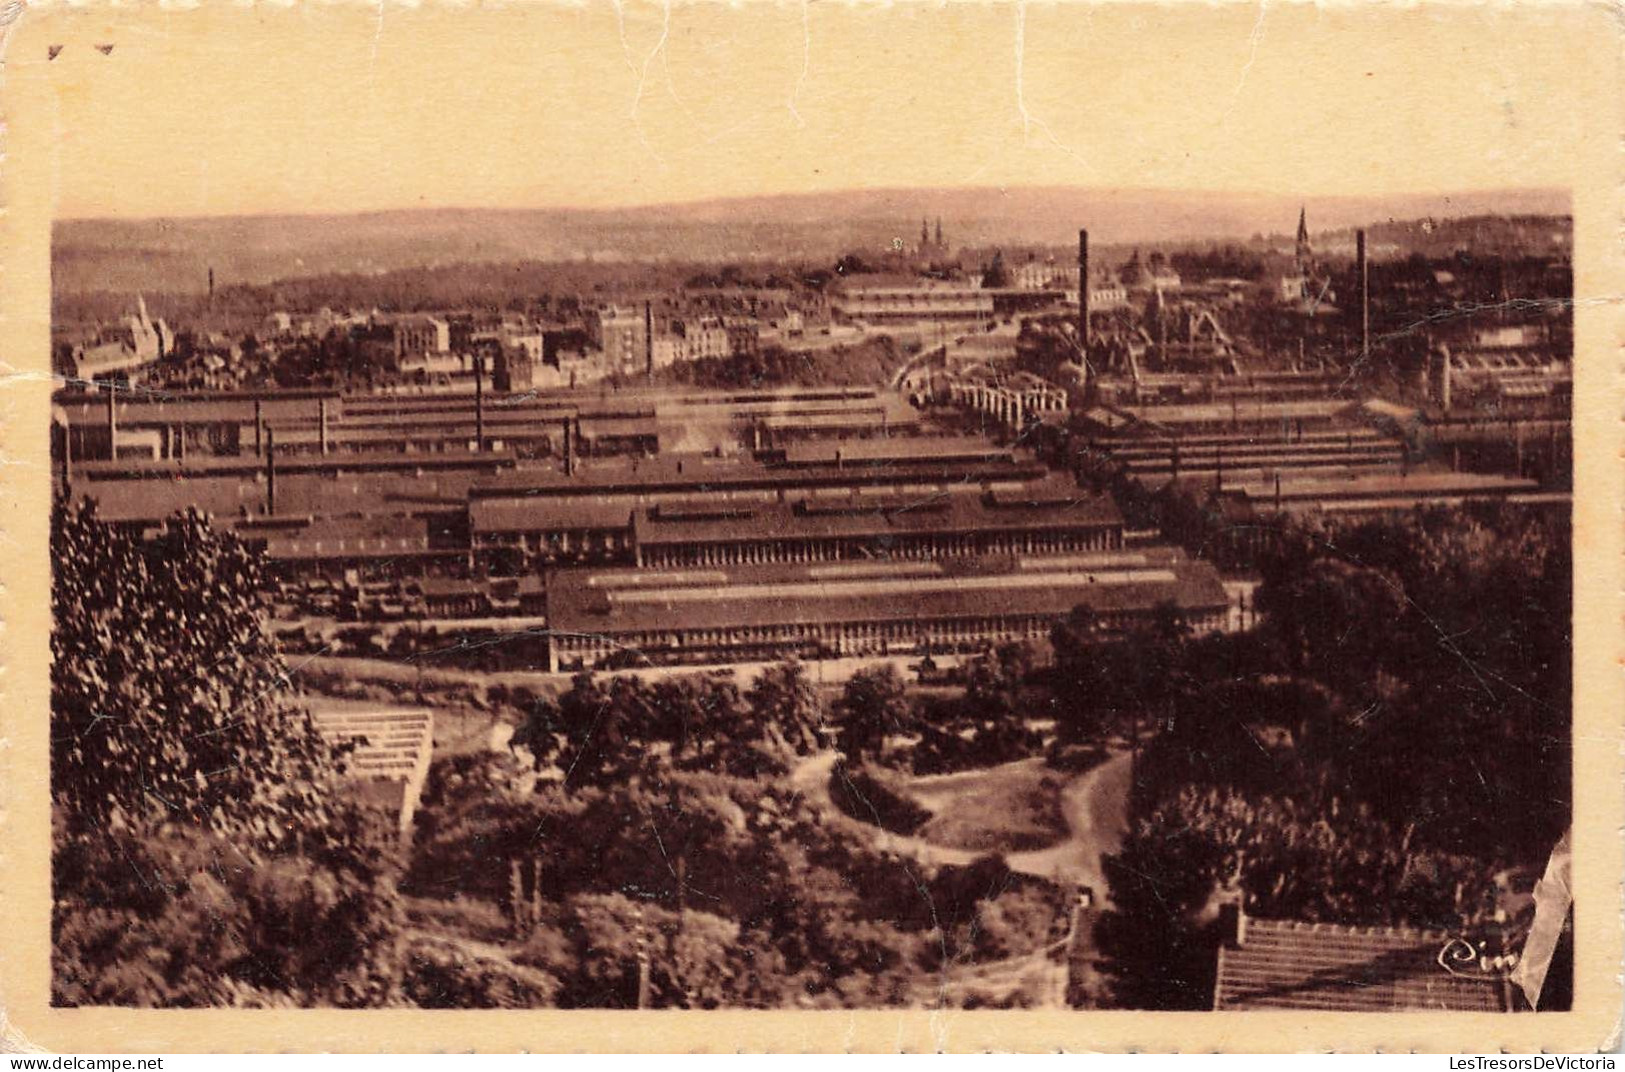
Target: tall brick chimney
{"type": "Point", "coordinates": [112, 422]}
{"type": "Point", "coordinates": [1083, 292]}
{"type": "Point", "coordinates": [648, 339]}
{"type": "Point", "coordinates": [1444, 377]}
{"type": "Point", "coordinates": [321, 421]}
{"type": "Point", "coordinates": [1365, 294]}
{"type": "Point", "coordinates": [479, 403]}
{"type": "Point", "coordinates": [270, 471]}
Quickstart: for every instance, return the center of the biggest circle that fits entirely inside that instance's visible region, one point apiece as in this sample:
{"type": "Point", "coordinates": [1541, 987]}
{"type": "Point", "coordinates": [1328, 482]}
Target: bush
{"type": "Point", "coordinates": [179, 917]}
{"type": "Point", "coordinates": [859, 794]}
{"type": "Point", "coordinates": [441, 974]}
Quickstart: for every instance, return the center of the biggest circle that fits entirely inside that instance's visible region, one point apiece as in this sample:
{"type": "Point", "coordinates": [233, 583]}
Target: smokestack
{"type": "Point", "coordinates": [1083, 291]}
{"type": "Point", "coordinates": [479, 404]}
{"type": "Point", "coordinates": [1365, 294]}
{"type": "Point", "coordinates": [270, 472]}
{"type": "Point", "coordinates": [211, 289]}
{"type": "Point", "coordinates": [112, 422]}
{"type": "Point", "coordinates": [648, 339]}
{"type": "Point", "coordinates": [1444, 377]}
{"type": "Point", "coordinates": [321, 421]}
{"type": "Point", "coordinates": [259, 429]}
{"type": "Point", "coordinates": [569, 449]}
{"type": "Point", "coordinates": [67, 452]}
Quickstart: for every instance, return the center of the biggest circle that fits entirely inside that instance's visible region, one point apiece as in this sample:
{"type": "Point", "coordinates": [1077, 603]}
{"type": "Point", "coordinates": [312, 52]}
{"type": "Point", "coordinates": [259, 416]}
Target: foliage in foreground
{"type": "Point", "coordinates": [776, 908]}
{"type": "Point", "coordinates": [206, 852]}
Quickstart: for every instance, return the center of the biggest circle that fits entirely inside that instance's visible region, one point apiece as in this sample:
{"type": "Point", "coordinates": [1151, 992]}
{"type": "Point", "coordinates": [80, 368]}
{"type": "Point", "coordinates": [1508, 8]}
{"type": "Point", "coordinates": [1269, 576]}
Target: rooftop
{"type": "Point", "coordinates": [857, 518]}
{"type": "Point", "coordinates": [699, 473]}
{"type": "Point", "coordinates": [899, 448]}
{"type": "Point", "coordinates": [638, 601]}
{"type": "Point", "coordinates": [1327, 967]}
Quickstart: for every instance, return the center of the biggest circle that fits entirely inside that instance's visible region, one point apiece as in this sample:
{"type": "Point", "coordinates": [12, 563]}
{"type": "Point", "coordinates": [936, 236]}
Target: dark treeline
{"type": "Point", "coordinates": [1396, 733]}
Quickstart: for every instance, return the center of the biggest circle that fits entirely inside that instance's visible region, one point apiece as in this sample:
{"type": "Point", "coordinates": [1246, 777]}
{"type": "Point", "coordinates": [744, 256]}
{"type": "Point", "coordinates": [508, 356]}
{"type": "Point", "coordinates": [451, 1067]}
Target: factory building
{"type": "Point", "coordinates": [530, 424]}
{"type": "Point", "coordinates": [605, 618]}
{"type": "Point", "coordinates": [1048, 517]}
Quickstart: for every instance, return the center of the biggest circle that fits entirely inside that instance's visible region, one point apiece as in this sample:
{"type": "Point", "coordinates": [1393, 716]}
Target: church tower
{"type": "Point", "coordinates": [1305, 254]}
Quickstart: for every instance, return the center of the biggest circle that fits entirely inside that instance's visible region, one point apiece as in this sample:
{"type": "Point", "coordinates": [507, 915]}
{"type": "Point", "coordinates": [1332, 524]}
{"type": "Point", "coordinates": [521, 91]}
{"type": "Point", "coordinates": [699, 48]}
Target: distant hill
{"type": "Point", "coordinates": [174, 255]}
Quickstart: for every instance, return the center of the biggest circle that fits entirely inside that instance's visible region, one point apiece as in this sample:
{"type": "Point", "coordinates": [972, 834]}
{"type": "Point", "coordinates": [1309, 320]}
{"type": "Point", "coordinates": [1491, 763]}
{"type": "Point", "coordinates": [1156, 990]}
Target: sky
{"type": "Point", "coordinates": [338, 107]}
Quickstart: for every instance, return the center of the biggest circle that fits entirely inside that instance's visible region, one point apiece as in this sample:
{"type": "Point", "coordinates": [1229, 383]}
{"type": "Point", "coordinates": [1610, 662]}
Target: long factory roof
{"type": "Point", "coordinates": [1385, 484]}
{"type": "Point", "coordinates": [855, 517]}
{"type": "Point", "coordinates": [298, 495]}
{"type": "Point", "coordinates": [337, 537]}
{"type": "Point", "coordinates": [199, 465]}
{"type": "Point", "coordinates": [156, 406]}
{"type": "Point", "coordinates": [896, 448]}
{"type": "Point", "coordinates": [701, 473]}
{"type": "Point", "coordinates": [138, 407]}
{"type": "Point", "coordinates": [1219, 412]}
{"type": "Point", "coordinates": [641, 601]}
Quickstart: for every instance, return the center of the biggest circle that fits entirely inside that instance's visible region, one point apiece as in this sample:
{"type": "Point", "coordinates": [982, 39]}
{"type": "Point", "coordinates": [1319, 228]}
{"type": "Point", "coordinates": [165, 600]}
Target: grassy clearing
{"type": "Point", "coordinates": [1014, 807]}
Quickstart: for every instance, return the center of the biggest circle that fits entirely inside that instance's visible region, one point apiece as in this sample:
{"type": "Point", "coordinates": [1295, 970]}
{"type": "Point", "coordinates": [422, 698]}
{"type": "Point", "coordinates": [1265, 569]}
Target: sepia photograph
{"type": "Point", "coordinates": [791, 509]}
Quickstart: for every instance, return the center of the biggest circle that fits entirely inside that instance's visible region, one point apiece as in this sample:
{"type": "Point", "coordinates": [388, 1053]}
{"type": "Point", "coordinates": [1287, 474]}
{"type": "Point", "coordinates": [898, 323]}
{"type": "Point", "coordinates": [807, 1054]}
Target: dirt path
{"type": "Point", "coordinates": [1094, 805]}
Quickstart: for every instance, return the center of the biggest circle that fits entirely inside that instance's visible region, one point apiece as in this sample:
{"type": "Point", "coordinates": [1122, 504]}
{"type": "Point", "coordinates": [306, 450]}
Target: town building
{"type": "Point", "coordinates": [415, 336]}
{"type": "Point", "coordinates": [904, 299]}
{"type": "Point", "coordinates": [622, 333]}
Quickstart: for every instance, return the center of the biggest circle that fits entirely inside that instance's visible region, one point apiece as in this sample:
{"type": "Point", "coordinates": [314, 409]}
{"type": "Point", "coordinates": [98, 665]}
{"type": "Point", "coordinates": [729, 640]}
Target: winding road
{"type": "Point", "coordinates": [1094, 805]}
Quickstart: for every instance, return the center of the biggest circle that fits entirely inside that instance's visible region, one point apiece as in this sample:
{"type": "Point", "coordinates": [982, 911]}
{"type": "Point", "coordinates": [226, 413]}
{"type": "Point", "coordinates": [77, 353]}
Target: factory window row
{"type": "Point", "coordinates": [932, 545]}
{"type": "Point", "coordinates": [600, 650]}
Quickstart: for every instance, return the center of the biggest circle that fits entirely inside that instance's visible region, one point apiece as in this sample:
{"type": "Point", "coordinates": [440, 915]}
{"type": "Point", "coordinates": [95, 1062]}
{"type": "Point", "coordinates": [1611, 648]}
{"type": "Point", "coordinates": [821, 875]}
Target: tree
{"type": "Point", "coordinates": [873, 705]}
{"type": "Point", "coordinates": [787, 704]}
{"type": "Point", "coordinates": [206, 850]}
{"type": "Point", "coordinates": [169, 700]}
{"type": "Point", "coordinates": [993, 681]}
{"type": "Point", "coordinates": [603, 731]}
{"type": "Point", "coordinates": [1337, 622]}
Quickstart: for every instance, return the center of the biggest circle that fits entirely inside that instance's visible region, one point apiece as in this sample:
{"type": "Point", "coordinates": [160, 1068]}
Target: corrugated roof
{"type": "Point", "coordinates": [201, 465]}
{"type": "Point", "coordinates": [901, 448]}
{"type": "Point", "coordinates": [548, 515]}
{"type": "Point", "coordinates": [859, 519]}
{"type": "Point", "coordinates": [138, 407]}
{"type": "Point", "coordinates": [588, 601]}
{"type": "Point", "coordinates": [698, 473]}
{"type": "Point", "coordinates": [1333, 968]}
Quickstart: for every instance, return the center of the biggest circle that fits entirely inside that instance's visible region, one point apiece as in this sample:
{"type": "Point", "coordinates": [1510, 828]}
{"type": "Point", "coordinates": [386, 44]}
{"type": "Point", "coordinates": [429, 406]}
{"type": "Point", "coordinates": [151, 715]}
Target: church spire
{"type": "Point", "coordinates": [1303, 237]}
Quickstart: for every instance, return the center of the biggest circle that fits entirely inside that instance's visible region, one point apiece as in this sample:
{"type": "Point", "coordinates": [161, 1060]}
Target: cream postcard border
{"type": "Point", "coordinates": [1588, 86]}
